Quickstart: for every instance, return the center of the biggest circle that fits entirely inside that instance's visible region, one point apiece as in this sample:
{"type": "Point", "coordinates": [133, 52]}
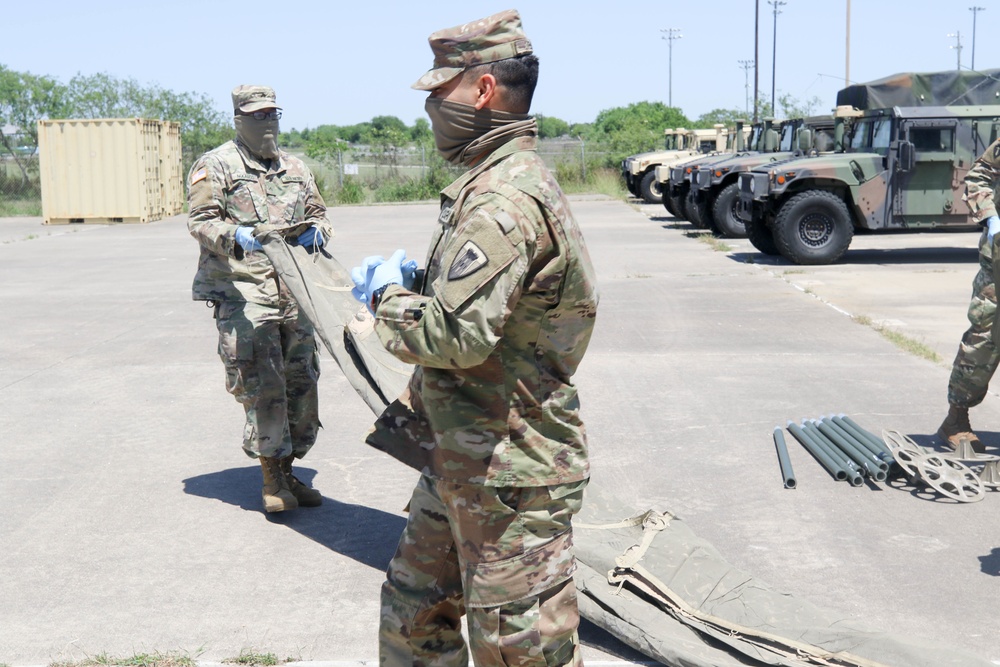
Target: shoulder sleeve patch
{"type": "Point", "coordinates": [199, 175]}
{"type": "Point", "coordinates": [479, 251]}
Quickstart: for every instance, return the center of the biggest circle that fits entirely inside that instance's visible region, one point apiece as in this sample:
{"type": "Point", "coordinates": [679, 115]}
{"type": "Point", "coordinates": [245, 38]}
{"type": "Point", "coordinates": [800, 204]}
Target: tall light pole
{"type": "Point", "coordinates": [847, 49]}
{"type": "Point", "coordinates": [957, 46]}
{"type": "Point", "coordinates": [670, 35]}
{"type": "Point", "coordinates": [975, 11]}
{"type": "Point", "coordinates": [746, 65]}
{"type": "Point", "coordinates": [774, 51]}
{"type": "Point", "coordinates": [756, 59]}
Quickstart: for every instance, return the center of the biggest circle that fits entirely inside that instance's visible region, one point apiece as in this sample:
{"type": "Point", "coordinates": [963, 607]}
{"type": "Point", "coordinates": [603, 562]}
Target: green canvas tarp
{"type": "Point", "coordinates": [644, 576]}
{"type": "Point", "coordinates": [912, 89]}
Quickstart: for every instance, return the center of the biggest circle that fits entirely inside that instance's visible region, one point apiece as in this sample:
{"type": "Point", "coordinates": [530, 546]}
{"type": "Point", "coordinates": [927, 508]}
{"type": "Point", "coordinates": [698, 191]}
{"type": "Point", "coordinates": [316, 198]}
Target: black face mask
{"type": "Point", "coordinates": [260, 136]}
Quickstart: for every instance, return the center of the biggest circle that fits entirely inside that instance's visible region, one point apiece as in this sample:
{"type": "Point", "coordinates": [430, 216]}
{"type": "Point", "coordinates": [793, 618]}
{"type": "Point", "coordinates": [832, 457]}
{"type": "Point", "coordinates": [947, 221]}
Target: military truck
{"type": "Point", "coordinates": [639, 170]}
{"type": "Point", "coordinates": [902, 169]}
{"type": "Point", "coordinates": [714, 189]}
{"type": "Point", "coordinates": [675, 180]}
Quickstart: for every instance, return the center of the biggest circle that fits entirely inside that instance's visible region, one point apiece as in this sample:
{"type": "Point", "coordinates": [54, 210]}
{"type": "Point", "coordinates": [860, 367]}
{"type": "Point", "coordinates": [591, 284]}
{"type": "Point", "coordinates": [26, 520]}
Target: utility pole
{"type": "Point", "coordinates": [670, 36]}
{"type": "Point", "coordinates": [957, 46]}
{"type": "Point", "coordinates": [774, 52]}
{"type": "Point", "coordinates": [756, 58]}
{"type": "Point", "coordinates": [975, 11]}
{"type": "Point", "coordinates": [746, 65]}
{"type": "Point", "coordinates": [847, 50]}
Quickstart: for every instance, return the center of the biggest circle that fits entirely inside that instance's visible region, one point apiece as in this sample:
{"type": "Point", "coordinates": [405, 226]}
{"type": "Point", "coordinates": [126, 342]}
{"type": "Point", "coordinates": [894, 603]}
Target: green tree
{"type": "Point", "coordinates": [550, 127]}
{"type": "Point", "coordinates": [792, 107]}
{"type": "Point", "coordinates": [636, 128]}
{"type": "Point", "coordinates": [727, 117]}
{"type": "Point", "coordinates": [25, 99]}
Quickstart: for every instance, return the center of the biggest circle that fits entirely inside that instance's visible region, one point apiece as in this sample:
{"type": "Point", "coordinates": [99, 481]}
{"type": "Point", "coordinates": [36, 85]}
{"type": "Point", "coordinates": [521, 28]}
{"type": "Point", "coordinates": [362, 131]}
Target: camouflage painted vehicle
{"type": "Point", "coordinates": [714, 190]}
{"type": "Point", "coordinates": [903, 168]}
{"type": "Point", "coordinates": [679, 144]}
{"type": "Point", "coordinates": [675, 181]}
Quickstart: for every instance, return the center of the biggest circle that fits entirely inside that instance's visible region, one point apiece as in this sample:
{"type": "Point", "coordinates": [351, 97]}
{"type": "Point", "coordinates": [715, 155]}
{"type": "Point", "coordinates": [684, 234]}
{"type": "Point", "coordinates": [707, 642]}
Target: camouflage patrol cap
{"type": "Point", "coordinates": [487, 40]}
{"type": "Point", "coordinates": [253, 98]}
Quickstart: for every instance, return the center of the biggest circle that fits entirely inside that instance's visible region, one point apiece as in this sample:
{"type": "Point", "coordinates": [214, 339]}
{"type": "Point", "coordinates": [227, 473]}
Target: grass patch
{"type": "Point", "coordinates": [252, 658]}
{"type": "Point", "coordinates": [902, 341]}
{"type": "Point", "coordinates": [601, 181]}
{"type": "Point", "coordinates": [155, 659]}
{"type": "Point", "coordinates": [790, 272]}
{"type": "Point", "coordinates": [715, 244]}
{"type": "Point", "coordinates": [19, 208]}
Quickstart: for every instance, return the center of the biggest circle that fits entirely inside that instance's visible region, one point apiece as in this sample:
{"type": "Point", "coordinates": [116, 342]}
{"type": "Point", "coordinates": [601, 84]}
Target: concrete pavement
{"type": "Point", "coordinates": [132, 522]}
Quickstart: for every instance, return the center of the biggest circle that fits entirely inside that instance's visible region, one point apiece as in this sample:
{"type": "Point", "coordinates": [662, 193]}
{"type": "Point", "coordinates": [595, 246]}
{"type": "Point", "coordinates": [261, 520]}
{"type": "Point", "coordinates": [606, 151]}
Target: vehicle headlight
{"type": "Point", "coordinates": [753, 184]}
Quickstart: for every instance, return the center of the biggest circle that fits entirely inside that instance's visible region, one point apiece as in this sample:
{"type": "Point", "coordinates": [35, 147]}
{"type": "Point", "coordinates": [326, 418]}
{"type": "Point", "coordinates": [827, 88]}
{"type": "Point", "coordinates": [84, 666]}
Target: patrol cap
{"type": "Point", "coordinates": [487, 40]}
{"type": "Point", "coordinates": [253, 98]}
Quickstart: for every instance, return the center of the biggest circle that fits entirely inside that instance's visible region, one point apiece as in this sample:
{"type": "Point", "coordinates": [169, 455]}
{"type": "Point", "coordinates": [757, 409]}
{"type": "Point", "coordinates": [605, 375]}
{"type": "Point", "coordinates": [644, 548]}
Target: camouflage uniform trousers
{"type": "Point", "coordinates": [504, 556]}
{"type": "Point", "coordinates": [977, 357]}
{"type": "Point", "coordinates": [272, 368]}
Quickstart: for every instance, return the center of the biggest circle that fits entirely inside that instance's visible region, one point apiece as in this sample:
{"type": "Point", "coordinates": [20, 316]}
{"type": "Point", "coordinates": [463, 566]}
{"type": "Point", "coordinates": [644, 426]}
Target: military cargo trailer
{"type": "Point", "coordinates": [903, 169]}
{"type": "Point", "coordinates": [715, 191]}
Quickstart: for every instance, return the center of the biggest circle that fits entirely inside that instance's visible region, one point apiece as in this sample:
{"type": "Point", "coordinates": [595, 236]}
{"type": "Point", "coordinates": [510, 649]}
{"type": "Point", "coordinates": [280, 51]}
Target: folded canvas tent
{"type": "Point", "coordinates": [645, 577]}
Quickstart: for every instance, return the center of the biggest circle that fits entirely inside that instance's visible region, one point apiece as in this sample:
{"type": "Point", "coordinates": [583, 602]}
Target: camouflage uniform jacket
{"type": "Point", "coordinates": [228, 187]}
{"type": "Point", "coordinates": [503, 321]}
{"type": "Point", "coordinates": [981, 182]}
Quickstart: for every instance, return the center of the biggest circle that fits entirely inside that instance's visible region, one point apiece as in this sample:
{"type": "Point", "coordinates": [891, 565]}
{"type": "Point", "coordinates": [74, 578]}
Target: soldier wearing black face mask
{"type": "Point", "coordinates": [268, 348]}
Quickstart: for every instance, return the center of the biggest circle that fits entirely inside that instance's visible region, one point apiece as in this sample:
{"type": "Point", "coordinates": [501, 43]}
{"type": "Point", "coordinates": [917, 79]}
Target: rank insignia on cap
{"type": "Point", "coordinates": [468, 260]}
{"type": "Point", "coordinates": [199, 175]}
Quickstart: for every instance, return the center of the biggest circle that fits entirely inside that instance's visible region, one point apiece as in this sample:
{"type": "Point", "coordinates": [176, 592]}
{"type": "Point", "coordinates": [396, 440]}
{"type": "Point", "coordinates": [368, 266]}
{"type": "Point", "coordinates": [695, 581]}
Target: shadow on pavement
{"type": "Point", "coordinates": [877, 256]}
{"type": "Point", "coordinates": [367, 535]}
{"type": "Point", "coordinates": [990, 563]}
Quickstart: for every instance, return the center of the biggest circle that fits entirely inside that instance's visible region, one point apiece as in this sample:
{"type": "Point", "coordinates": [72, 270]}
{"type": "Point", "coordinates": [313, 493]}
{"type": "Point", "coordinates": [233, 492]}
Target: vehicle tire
{"type": "Point", "coordinates": [668, 204]}
{"type": "Point", "coordinates": [649, 188]}
{"type": "Point", "coordinates": [724, 213]}
{"type": "Point", "coordinates": [813, 227]}
{"type": "Point", "coordinates": [691, 211]}
{"type": "Point", "coordinates": [760, 237]}
{"type": "Point", "coordinates": [705, 216]}
{"type": "Point", "coordinates": [677, 204]}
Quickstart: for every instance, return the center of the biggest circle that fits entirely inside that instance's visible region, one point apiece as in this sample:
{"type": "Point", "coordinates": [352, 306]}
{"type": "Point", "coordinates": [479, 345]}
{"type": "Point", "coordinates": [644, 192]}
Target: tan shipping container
{"type": "Point", "coordinates": [109, 170]}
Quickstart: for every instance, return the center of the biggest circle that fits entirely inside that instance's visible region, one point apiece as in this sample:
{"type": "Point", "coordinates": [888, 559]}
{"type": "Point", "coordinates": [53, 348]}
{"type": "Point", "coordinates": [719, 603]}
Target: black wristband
{"type": "Point", "coordinates": [377, 296]}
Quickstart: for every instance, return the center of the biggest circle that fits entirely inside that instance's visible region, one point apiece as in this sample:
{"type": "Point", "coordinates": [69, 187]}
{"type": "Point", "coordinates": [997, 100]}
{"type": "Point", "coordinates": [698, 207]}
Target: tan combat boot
{"type": "Point", "coordinates": [956, 428]}
{"type": "Point", "coordinates": [306, 496]}
{"type": "Point", "coordinates": [277, 495]}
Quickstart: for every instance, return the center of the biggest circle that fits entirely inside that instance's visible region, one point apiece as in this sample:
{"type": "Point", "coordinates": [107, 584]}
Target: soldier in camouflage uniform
{"type": "Point", "coordinates": [978, 356]}
{"type": "Point", "coordinates": [236, 191]}
{"type": "Point", "coordinates": [496, 328]}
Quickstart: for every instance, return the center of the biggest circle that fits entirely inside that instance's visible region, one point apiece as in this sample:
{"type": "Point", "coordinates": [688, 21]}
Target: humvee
{"type": "Point", "coordinates": [675, 180]}
{"type": "Point", "coordinates": [714, 189]}
{"type": "Point", "coordinates": [639, 170]}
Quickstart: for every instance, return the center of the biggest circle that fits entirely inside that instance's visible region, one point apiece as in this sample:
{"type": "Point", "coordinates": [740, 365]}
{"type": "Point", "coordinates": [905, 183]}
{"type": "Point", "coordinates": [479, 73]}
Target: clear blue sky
{"type": "Point", "coordinates": [345, 62]}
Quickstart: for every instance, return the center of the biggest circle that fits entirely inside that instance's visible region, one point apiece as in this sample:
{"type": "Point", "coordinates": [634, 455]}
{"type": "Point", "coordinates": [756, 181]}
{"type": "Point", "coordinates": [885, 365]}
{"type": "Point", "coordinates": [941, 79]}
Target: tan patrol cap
{"type": "Point", "coordinates": [253, 98]}
{"type": "Point", "coordinates": [487, 40]}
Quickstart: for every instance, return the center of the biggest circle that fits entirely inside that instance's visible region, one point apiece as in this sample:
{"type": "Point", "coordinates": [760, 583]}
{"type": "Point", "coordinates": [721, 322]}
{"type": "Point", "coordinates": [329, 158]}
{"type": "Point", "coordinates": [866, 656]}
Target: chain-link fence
{"type": "Point", "coordinates": [360, 174]}
{"type": "Point", "coordinates": [20, 193]}
{"type": "Point", "coordinates": [355, 175]}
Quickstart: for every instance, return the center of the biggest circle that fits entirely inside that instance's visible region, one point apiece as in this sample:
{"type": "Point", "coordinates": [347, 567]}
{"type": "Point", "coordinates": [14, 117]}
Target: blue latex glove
{"type": "Point", "coordinates": [409, 270]}
{"type": "Point", "coordinates": [362, 275]}
{"type": "Point", "coordinates": [311, 237]}
{"type": "Point", "coordinates": [389, 272]}
{"type": "Point", "coordinates": [246, 240]}
{"type": "Point", "coordinates": [992, 227]}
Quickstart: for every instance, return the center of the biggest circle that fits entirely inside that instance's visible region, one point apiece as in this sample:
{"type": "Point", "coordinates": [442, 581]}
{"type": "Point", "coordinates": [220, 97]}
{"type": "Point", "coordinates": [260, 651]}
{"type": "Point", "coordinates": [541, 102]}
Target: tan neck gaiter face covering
{"type": "Point", "coordinates": [462, 133]}
{"type": "Point", "coordinates": [260, 136]}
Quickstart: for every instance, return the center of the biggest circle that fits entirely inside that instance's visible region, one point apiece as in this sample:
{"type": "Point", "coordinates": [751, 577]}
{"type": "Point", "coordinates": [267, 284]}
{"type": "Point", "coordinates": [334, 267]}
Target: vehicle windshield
{"type": "Point", "coordinates": [872, 135]}
{"type": "Point", "coordinates": [752, 139]}
{"type": "Point", "coordinates": [787, 137]}
{"type": "Point", "coordinates": [670, 143]}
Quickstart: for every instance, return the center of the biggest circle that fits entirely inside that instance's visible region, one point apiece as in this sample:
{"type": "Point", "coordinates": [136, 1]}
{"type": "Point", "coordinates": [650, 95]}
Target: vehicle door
{"type": "Point", "coordinates": [930, 193]}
